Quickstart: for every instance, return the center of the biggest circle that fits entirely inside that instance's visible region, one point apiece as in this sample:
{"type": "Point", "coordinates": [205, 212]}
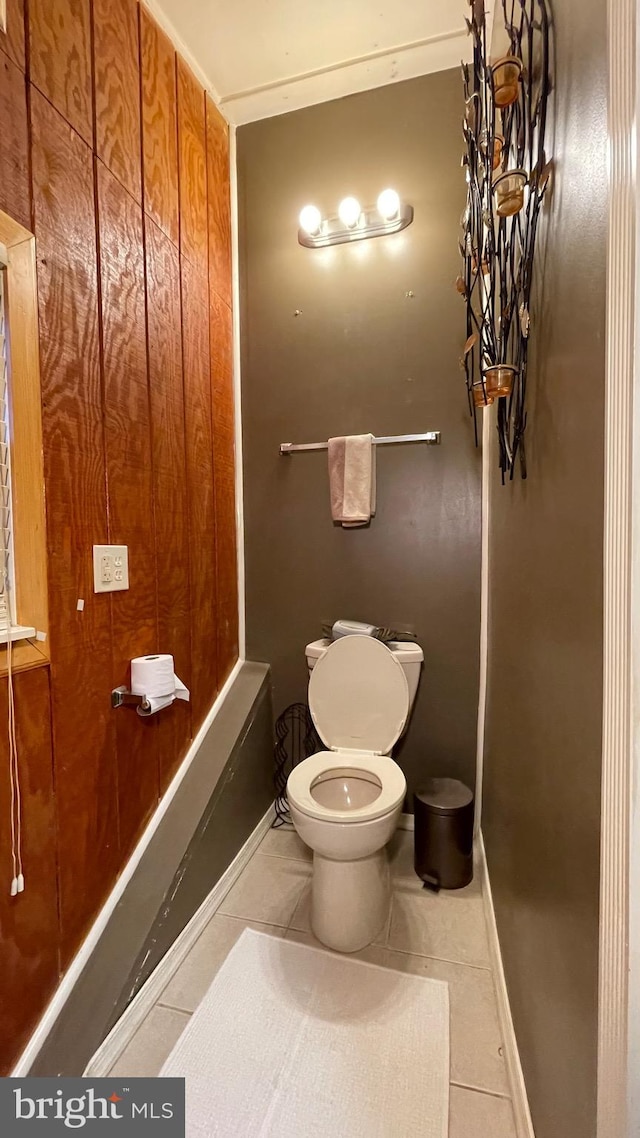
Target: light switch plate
{"type": "Point", "coordinates": [110, 568]}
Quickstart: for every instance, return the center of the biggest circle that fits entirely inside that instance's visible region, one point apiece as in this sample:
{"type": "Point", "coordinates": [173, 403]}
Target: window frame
{"type": "Point", "coordinates": [27, 462]}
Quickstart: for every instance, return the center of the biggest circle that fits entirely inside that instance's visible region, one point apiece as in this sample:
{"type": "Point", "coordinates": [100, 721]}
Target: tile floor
{"type": "Point", "coordinates": [442, 936]}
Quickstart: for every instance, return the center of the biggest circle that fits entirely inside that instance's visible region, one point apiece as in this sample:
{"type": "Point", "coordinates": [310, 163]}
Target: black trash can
{"type": "Point", "coordinates": [443, 838]}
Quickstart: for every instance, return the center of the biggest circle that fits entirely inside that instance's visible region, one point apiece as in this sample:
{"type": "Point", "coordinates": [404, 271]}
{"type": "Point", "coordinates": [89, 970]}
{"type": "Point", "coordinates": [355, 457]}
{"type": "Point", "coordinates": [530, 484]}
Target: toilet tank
{"type": "Point", "coordinates": [409, 655]}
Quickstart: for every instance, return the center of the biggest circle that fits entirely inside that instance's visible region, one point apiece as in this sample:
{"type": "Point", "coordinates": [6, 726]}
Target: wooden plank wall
{"type": "Point", "coordinates": [113, 156]}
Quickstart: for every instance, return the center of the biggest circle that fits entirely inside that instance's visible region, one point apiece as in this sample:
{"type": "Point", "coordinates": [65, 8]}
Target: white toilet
{"type": "Point", "coordinates": [345, 802]}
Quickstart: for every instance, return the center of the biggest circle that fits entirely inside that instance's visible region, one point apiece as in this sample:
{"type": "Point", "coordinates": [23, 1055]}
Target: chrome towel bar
{"type": "Point", "coordinates": [431, 438]}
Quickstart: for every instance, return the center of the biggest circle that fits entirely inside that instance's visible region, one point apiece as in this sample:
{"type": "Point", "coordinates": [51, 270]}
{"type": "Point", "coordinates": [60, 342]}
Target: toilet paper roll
{"type": "Point", "coordinates": [153, 676]}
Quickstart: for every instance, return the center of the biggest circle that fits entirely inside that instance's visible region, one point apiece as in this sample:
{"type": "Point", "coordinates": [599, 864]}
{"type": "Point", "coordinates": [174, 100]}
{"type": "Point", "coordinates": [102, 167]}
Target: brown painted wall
{"type": "Point", "coordinates": [543, 744]}
{"type": "Point", "coordinates": [111, 154]}
{"type": "Point", "coordinates": [362, 356]}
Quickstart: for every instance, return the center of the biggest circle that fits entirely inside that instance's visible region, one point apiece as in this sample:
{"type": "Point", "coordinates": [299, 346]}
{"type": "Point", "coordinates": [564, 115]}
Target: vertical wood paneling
{"type": "Point", "coordinates": [60, 59]}
{"type": "Point", "coordinates": [13, 40]}
{"type": "Point", "coordinates": [29, 922]}
{"type": "Point", "coordinates": [218, 203]}
{"type": "Point", "coordinates": [225, 490]}
{"type": "Point", "coordinates": [129, 481]}
{"type": "Point", "coordinates": [84, 729]}
{"type": "Point", "coordinates": [138, 443]}
{"type": "Point", "coordinates": [200, 489]}
{"type": "Point", "coordinates": [15, 192]}
{"type": "Point", "coordinates": [192, 169]}
{"type": "Point", "coordinates": [159, 126]}
{"type": "Point", "coordinates": [117, 90]}
{"type": "Point", "coordinates": [170, 483]}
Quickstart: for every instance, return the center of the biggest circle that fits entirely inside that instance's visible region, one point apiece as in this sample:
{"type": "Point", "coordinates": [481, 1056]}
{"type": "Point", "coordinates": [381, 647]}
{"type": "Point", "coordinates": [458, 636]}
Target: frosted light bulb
{"type": "Point", "coordinates": [310, 220]}
{"type": "Point", "coordinates": [388, 204]}
{"type": "Point", "coordinates": [349, 212]}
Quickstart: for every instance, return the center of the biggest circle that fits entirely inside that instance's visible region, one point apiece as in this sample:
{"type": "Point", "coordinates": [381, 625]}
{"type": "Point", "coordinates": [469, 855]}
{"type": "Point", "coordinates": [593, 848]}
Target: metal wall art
{"type": "Point", "coordinates": [507, 173]}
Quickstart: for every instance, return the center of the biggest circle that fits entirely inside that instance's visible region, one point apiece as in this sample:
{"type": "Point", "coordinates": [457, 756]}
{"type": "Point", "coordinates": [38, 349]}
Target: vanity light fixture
{"type": "Point", "coordinates": [353, 223]}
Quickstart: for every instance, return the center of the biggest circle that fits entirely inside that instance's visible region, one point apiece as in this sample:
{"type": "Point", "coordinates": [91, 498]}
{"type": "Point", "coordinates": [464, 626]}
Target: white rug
{"type": "Point", "coordinates": [293, 1042]}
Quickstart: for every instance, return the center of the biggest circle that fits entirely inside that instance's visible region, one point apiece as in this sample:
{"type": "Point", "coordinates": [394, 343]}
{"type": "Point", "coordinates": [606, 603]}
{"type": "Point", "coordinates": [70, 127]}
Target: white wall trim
{"type": "Point", "coordinates": [123, 1031]}
{"type": "Point", "coordinates": [79, 961]}
{"type": "Point", "coordinates": [633, 924]}
{"type": "Point", "coordinates": [406, 61]}
{"type": "Point", "coordinates": [522, 1115]}
{"type": "Point", "coordinates": [237, 387]}
{"type": "Point", "coordinates": [458, 33]}
{"type": "Point", "coordinates": [487, 435]}
{"type": "Point", "coordinates": [617, 755]}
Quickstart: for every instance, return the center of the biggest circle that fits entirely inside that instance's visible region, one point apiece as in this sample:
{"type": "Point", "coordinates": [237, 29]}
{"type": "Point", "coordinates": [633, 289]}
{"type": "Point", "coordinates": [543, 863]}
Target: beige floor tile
{"type": "Point", "coordinates": [301, 919]}
{"type": "Point", "coordinates": [475, 1115]}
{"type": "Point", "coordinates": [401, 856]}
{"type": "Point", "coordinates": [400, 851]}
{"type": "Point", "coordinates": [383, 936]}
{"type": "Point", "coordinates": [151, 1044]}
{"type": "Point", "coordinates": [476, 1044]}
{"type": "Point", "coordinates": [285, 843]}
{"type": "Point", "coordinates": [197, 971]}
{"type": "Point", "coordinates": [374, 953]}
{"type": "Point", "coordinates": [267, 890]}
{"type": "Point", "coordinates": [449, 925]}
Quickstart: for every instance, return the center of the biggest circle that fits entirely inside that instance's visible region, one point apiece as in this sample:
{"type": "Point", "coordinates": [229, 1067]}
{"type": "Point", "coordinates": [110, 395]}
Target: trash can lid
{"type": "Point", "coordinates": [444, 795]}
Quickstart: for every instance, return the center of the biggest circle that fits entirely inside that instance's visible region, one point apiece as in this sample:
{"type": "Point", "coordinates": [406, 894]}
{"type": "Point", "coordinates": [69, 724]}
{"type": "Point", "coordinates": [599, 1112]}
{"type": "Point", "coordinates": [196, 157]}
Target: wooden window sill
{"type": "Point", "coordinates": [25, 654]}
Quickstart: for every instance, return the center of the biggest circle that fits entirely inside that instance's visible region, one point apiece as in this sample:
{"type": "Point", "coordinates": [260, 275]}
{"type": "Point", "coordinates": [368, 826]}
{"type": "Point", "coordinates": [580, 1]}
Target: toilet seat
{"type": "Point", "coordinates": [359, 696]}
{"type": "Point", "coordinates": [388, 773]}
{"type": "Point", "coordinates": [359, 703]}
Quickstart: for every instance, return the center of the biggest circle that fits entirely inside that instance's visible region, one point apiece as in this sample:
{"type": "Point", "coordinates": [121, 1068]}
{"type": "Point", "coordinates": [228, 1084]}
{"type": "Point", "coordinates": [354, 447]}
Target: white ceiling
{"type": "Point", "coordinates": [265, 57]}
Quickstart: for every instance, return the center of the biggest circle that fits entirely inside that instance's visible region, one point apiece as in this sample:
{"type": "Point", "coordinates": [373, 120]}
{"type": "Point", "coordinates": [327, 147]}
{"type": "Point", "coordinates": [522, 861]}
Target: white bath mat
{"type": "Point", "coordinates": [293, 1042]}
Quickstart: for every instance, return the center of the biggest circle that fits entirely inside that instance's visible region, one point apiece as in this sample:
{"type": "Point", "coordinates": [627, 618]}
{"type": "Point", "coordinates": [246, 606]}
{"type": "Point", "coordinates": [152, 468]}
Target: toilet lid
{"type": "Point", "coordinates": [359, 696]}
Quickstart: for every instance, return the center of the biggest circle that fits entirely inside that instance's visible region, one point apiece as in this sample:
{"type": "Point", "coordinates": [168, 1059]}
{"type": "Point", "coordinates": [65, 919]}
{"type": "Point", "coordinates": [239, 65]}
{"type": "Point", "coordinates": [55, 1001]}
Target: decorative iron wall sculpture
{"type": "Point", "coordinates": [507, 174]}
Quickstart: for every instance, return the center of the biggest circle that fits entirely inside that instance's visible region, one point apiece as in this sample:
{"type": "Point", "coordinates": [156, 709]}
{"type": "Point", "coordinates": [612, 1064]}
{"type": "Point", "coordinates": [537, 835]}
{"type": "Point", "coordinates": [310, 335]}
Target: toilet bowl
{"type": "Point", "coordinates": [345, 802]}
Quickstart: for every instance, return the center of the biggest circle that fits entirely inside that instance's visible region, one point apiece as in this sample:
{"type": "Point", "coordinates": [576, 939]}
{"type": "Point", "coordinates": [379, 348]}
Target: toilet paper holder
{"type": "Point", "coordinates": [122, 697]}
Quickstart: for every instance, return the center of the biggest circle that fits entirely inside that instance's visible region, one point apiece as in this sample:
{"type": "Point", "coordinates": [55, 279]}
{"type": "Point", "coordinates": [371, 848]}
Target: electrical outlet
{"type": "Point", "coordinates": [110, 568]}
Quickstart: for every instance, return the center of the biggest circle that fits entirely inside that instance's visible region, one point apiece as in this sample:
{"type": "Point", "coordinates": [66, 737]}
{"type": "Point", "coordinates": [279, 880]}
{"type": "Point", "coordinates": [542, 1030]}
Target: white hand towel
{"type": "Point", "coordinates": [352, 479]}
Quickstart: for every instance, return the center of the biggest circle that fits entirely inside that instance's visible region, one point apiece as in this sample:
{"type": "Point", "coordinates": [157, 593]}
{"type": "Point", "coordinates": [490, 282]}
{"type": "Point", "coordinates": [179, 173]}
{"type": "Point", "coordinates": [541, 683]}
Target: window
{"type": "Point", "coordinates": [23, 564]}
{"type": "Point", "coordinates": [7, 590]}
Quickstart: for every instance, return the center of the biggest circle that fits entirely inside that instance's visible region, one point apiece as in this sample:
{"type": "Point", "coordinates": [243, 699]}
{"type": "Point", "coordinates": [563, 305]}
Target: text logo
{"type": "Point", "coordinates": [137, 1107]}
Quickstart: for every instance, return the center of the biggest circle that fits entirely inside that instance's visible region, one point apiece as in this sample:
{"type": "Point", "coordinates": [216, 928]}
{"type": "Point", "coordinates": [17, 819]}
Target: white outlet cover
{"type": "Point", "coordinates": [110, 568]}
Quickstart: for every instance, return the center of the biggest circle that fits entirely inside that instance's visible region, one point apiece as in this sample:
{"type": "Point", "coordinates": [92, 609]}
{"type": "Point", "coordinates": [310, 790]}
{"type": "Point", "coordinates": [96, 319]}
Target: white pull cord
{"type": "Point", "coordinates": [17, 883]}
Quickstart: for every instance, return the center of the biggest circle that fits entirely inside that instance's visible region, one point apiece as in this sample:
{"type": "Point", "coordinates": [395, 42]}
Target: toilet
{"type": "Point", "coordinates": [345, 802]}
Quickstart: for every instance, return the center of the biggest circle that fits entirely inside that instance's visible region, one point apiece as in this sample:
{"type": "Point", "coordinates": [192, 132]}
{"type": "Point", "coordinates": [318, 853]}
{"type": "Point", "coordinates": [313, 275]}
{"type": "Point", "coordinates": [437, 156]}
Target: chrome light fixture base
{"type": "Point", "coordinates": [333, 231]}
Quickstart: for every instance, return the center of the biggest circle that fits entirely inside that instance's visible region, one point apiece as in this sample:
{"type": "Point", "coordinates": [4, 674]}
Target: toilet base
{"type": "Point", "coordinates": [350, 900]}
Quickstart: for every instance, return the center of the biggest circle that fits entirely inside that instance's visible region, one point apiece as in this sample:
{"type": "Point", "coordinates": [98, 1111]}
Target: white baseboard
{"type": "Point", "coordinates": [406, 822]}
{"type": "Point", "coordinates": [522, 1115]}
{"type": "Point", "coordinates": [124, 1030]}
